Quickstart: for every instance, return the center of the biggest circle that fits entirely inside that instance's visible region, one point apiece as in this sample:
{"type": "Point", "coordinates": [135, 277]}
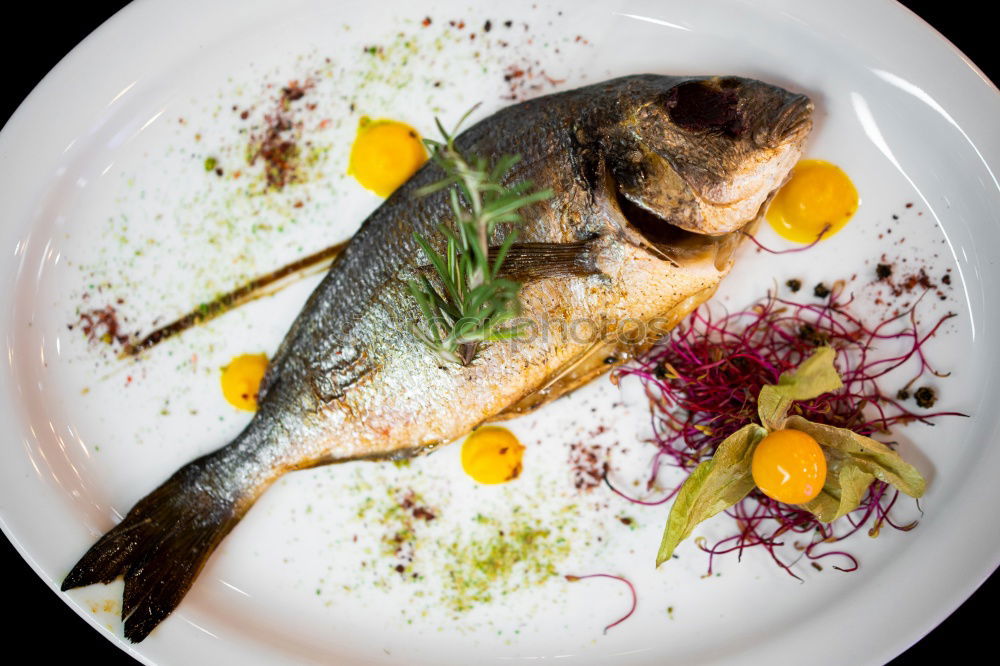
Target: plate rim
{"type": "Point", "coordinates": [112, 30]}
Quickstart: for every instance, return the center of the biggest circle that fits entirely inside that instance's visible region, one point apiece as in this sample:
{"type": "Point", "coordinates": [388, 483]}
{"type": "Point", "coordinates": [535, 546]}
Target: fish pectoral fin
{"type": "Point", "coordinates": [536, 261]}
{"type": "Point", "coordinates": [605, 354]}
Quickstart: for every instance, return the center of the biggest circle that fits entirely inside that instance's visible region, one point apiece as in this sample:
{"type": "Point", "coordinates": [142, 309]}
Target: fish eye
{"type": "Point", "coordinates": [700, 106]}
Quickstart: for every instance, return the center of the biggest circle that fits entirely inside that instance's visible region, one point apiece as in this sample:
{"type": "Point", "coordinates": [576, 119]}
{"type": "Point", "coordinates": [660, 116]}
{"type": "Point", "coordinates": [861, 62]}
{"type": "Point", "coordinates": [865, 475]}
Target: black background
{"type": "Point", "coordinates": [37, 618]}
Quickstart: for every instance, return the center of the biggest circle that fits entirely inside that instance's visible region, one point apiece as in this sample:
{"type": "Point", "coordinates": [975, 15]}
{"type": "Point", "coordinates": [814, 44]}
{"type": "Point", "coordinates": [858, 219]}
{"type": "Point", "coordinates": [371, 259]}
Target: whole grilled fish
{"type": "Point", "coordinates": [655, 177]}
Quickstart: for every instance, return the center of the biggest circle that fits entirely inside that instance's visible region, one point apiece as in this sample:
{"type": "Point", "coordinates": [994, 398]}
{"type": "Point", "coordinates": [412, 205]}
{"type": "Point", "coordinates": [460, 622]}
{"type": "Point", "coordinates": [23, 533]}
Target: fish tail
{"type": "Point", "coordinates": [163, 542]}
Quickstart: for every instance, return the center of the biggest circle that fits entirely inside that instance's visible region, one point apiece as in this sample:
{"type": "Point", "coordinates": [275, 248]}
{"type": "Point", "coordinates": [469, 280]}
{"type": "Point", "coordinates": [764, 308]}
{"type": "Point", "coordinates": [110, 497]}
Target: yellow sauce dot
{"type": "Point", "coordinates": [385, 154]}
{"type": "Point", "coordinates": [818, 194]}
{"type": "Point", "coordinates": [241, 380]}
{"type": "Point", "coordinates": [789, 466]}
{"type": "Point", "coordinates": [492, 455]}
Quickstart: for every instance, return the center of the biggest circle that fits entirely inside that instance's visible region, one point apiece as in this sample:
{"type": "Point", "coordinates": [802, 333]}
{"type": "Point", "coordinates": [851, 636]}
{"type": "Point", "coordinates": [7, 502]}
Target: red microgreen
{"type": "Point", "coordinates": [761, 246]}
{"type": "Point", "coordinates": [703, 383]}
{"type": "Point", "coordinates": [631, 588]}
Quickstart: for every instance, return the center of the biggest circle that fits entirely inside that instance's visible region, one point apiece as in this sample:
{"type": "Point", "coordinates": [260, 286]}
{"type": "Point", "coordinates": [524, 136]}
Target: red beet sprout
{"type": "Point", "coordinates": [761, 246]}
{"type": "Point", "coordinates": [703, 384]}
{"type": "Point", "coordinates": [631, 589]}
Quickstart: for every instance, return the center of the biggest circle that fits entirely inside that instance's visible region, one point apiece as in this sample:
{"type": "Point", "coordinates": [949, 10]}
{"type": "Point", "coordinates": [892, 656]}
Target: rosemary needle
{"type": "Point", "coordinates": [470, 304]}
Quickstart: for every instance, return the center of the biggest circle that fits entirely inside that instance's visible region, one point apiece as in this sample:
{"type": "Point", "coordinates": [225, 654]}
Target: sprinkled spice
{"type": "Point", "coordinates": [900, 284]}
{"type": "Point", "coordinates": [527, 79]}
{"type": "Point", "coordinates": [278, 143]}
{"type": "Point", "coordinates": [102, 325]}
{"type": "Point", "coordinates": [489, 557]}
{"type": "Point", "coordinates": [417, 510]}
{"type": "Point", "coordinates": [401, 518]}
{"type": "Point", "coordinates": [821, 291]}
{"type": "Point", "coordinates": [509, 557]}
{"type": "Point", "coordinates": [794, 285]}
{"type": "Point", "coordinates": [919, 279]}
{"type": "Point", "coordinates": [588, 464]}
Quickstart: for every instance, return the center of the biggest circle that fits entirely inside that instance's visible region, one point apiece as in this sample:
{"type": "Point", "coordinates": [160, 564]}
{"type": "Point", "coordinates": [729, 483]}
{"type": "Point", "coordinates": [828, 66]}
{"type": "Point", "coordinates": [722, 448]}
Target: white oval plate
{"type": "Point", "coordinates": [105, 192]}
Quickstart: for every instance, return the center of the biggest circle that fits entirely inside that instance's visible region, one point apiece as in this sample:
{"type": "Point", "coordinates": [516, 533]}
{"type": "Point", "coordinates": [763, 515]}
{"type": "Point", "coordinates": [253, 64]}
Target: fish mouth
{"type": "Point", "coordinates": [793, 123]}
{"type": "Point", "coordinates": [680, 247]}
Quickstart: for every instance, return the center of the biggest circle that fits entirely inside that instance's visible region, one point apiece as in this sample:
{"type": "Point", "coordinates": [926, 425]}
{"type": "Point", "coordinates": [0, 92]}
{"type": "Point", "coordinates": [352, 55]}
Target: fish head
{"type": "Point", "coordinates": [705, 154]}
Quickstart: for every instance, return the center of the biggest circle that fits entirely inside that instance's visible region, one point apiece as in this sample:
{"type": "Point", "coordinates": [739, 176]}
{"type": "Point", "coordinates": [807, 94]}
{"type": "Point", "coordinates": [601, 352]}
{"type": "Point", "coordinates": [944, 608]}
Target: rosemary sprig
{"type": "Point", "coordinates": [473, 304]}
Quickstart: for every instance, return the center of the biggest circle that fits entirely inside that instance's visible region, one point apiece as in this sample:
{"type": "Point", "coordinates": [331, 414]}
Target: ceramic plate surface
{"type": "Point", "coordinates": [112, 198]}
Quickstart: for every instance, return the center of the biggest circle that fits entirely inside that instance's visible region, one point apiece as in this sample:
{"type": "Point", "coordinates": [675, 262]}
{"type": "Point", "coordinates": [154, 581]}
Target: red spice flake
{"type": "Point", "coordinates": [513, 73]}
{"type": "Point", "coordinates": [292, 92]}
{"type": "Point", "coordinates": [277, 144]}
{"type": "Point", "coordinates": [918, 281]}
{"type": "Point", "coordinates": [420, 512]}
{"type": "Point", "coordinates": [588, 463]}
{"type": "Point", "coordinates": [423, 513]}
{"type": "Point", "coordinates": [102, 325]}
{"type": "Point", "coordinates": [911, 282]}
{"type": "Point", "coordinates": [527, 80]}
{"type": "Point", "coordinates": [426, 22]}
